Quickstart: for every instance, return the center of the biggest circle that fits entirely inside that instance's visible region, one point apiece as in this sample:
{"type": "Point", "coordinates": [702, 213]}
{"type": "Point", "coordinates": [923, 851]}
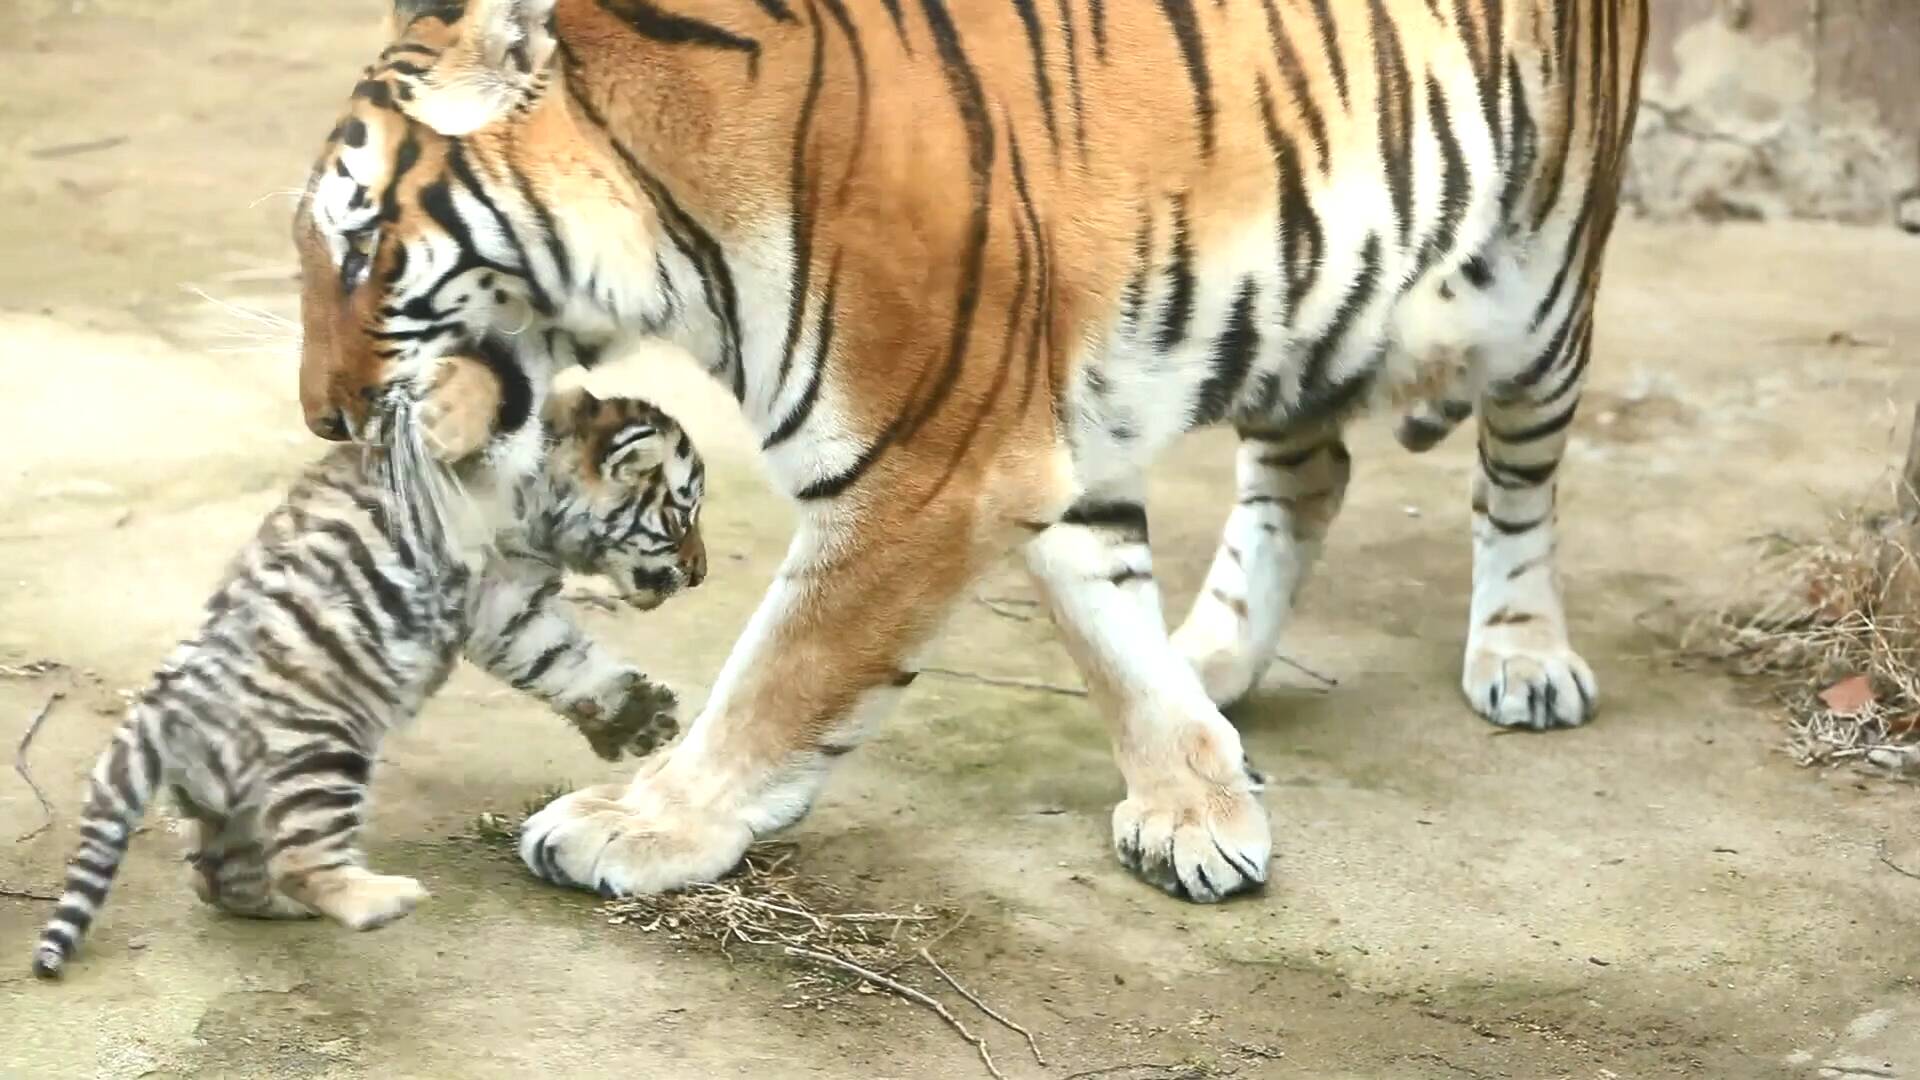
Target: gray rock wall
{"type": "Point", "coordinates": [1762, 109]}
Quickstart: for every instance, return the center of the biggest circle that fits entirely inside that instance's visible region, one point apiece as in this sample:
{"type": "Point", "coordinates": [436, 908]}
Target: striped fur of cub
{"type": "Point", "coordinates": [337, 623]}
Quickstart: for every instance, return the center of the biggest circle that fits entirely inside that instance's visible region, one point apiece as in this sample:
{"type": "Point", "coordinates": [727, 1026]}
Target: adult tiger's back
{"type": "Point", "coordinates": [968, 268]}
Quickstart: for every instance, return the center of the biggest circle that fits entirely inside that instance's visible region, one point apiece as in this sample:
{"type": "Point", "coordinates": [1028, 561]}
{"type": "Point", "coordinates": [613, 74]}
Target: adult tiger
{"type": "Point", "coordinates": [968, 266]}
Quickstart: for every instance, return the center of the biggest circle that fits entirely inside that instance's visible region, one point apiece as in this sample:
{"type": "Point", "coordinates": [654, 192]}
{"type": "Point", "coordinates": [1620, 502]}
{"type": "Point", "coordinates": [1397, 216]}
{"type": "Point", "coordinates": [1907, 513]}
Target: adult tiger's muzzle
{"type": "Point", "coordinates": [322, 403]}
{"type": "Point", "coordinates": [339, 367]}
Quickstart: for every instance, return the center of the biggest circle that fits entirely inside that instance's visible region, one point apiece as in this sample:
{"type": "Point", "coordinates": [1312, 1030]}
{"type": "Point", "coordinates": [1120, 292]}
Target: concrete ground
{"type": "Point", "coordinates": [1662, 893]}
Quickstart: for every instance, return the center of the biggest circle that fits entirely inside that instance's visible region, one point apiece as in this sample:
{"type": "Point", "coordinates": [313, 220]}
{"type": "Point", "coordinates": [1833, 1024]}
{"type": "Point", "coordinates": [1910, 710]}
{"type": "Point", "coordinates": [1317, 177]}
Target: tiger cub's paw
{"type": "Point", "coordinates": [644, 715]}
{"type": "Point", "coordinates": [368, 901]}
{"type": "Point", "coordinates": [457, 414]}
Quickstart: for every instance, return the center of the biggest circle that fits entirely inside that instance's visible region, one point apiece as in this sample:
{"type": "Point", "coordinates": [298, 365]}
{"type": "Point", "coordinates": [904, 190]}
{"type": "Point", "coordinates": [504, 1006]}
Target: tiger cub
{"type": "Point", "coordinates": [338, 622]}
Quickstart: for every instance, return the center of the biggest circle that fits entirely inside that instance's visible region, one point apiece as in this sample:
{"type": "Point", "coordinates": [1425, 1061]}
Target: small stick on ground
{"type": "Point", "coordinates": [904, 991]}
{"type": "Point", "coordinates": [1909, 495]}
{"type": "Point", "coordinates": [20, 766]}
{"type": "Point", "coordinates": [1134, 1066]}
{"type": "Point", "coordinates": [983, 1006]}
{"type": "Point", "coordinates": [1006, 681]}
{"type": "Point", "coordinates": [48, 153]}
{"type": "Point", "coordinates": [1894, 866]}
{"type": "Point", "coordinates": [1325, 680]}
{"type": "Point", "coordinates": [28, 894]}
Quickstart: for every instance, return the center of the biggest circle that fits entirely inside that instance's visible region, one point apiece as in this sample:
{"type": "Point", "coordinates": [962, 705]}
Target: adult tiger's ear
{"type": "Point", "coordinates": [492, 57]}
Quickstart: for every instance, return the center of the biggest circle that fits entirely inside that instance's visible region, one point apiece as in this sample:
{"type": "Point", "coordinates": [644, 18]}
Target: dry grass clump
{"type": "Point", "coordinates": [768, 908]}
{"type": "Point", "coordinates": [1833, 626]}
{"type": "Point", "coordinates": [767, 904]}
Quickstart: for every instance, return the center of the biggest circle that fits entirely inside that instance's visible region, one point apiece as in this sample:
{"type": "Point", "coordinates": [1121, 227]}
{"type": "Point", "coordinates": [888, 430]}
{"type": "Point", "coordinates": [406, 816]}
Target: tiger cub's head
{"type": "Point", "coordinates": [624, 485]}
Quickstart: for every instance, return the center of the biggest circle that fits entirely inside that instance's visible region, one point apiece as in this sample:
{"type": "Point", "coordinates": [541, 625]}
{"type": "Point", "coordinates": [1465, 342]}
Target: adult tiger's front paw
{"type": "Point", "coordinates": [1198, 841]}
{"type": "Point", "coordinates": [621, 841]}
{"type": "Point", "coordinates": [457, 413]}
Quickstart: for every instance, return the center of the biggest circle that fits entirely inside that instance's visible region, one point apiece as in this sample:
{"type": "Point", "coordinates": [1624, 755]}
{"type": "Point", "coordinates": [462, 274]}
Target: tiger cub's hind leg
{"type": "Point", "coordinates": [313, 822]}
{"type": "Point", "coordinates": [1289, 489]}
{"type": "Point", "coordinates": [227, 868]}
{"type": "Point", "coordinates": [1520, 670]}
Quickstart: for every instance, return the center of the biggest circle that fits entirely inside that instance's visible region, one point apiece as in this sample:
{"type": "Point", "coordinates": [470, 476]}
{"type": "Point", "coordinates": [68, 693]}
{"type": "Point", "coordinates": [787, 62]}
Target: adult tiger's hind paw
{"type": "Point", "coordinates": [1518, 687]}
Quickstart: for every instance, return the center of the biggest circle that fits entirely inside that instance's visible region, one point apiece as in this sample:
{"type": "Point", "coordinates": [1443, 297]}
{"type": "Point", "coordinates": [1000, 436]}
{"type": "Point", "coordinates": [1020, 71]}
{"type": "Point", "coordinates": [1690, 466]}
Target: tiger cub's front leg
{"type": "Point", "coordinates": [523, 634]}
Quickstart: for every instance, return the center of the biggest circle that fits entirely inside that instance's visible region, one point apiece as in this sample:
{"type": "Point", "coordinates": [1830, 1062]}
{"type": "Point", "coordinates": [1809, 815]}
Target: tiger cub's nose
{"type": "Point", "coordinates": [693, 557]}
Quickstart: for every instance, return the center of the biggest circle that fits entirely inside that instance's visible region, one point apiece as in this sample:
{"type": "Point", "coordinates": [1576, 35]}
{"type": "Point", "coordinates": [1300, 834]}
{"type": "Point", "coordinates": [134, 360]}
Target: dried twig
{"type": "Point", "coordinates": [1909, 498]}
{"type": "Point", "coordinates": [1894, 866]}
{"type": "Point", "coordinates": [28, 894]}
{"type": "Point", "coordinates": [1007, 681]}
{"type": "Point", "coordinates": [1132, 1066]}
{"type": "Point", "coordinates": [904, 991]}
{"type": "Point", "coordinates": [983, 1006]}
{"type": "Point", "coordinates": [1325, 680]}
{"type": "Point", "coordinates": [876, 916]}
{"type": "Point", "coordinates": [63, 150]}
{"type": "Point", "coordinates": [20, 766]}
{"type": "Point", "coordinates": [32, 669]}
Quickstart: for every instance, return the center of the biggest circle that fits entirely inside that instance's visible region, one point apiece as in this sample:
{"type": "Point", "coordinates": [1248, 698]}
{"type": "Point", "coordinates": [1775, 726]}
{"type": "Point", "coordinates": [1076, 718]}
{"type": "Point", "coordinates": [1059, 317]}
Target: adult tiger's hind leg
{"type": "Point", "coordinates": [1520, 670]}
{"type": "Point", "coordinates": [1190, 823]}
{"type": "Point", "coordinates": [1290, 487]}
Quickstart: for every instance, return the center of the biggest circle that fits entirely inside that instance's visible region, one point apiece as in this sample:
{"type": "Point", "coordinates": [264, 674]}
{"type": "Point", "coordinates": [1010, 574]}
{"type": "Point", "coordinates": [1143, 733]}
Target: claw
{"type": "Point", "coordinates": [550, 863]}
{"type": "Point", "coordinates": [1240, 863]}
{"type": "Point", "coordinates": [1213, 892]}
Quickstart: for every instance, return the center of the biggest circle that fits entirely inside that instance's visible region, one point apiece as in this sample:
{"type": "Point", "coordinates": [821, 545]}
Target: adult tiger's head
{"type": "Point", "coordinates": [430, 226]}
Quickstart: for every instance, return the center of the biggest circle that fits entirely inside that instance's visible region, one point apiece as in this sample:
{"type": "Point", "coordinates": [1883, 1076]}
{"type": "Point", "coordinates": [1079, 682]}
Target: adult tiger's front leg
{"type": "Point", "coordinates": [826, 654]}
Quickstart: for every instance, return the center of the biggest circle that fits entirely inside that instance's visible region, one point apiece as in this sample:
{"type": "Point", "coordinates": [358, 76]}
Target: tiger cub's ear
{"type": "Point", "coordinates": [492, 57]}
{"type": "Point", "coordinates": [631, 452]}
{"type": "Point", "coordinates": [568, 407]}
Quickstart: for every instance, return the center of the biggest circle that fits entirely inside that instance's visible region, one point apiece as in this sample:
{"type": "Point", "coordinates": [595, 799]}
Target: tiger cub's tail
{"type": "Point", "coordinates": [124, 780]}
